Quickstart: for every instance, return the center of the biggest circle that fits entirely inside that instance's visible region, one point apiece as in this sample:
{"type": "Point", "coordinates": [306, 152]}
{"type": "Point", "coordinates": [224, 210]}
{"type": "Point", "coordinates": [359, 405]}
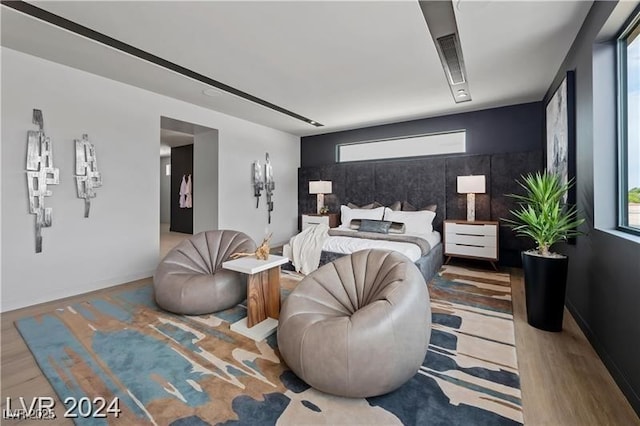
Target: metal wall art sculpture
{"type": "Point", "coordinates": [40, 174]}
{"type": "Point", "coordinates": [258, 181]}
{"type": "Point", "coordinates": [88, 178]}
{"type": "Point", "coordinates": [269, 185]}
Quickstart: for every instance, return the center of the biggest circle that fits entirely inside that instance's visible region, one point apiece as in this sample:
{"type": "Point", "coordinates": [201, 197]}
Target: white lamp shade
{"type": "Point", "coordinates": [320, 187]}
{"type": "Point", "coordinates": [471, 184]}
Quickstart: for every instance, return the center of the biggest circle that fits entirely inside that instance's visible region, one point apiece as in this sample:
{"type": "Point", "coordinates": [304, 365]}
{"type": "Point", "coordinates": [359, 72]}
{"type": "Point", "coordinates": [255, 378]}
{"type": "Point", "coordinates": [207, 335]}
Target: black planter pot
{"type": "Point", "coordinates": [545, 284]}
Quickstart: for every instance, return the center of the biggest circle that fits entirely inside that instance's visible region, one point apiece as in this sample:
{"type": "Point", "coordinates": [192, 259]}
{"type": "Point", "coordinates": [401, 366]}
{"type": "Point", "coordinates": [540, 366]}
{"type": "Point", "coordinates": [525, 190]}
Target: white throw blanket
{"type": "Point", "coordinates": [306, 248]}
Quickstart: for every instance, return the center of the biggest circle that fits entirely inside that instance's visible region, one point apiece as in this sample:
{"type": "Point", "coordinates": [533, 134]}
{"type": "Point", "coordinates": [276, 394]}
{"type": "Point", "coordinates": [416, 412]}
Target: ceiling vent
{"type": "Point", "coordinates": [441, 23]}
{"type": "Point", "coordinates": [453, 67]}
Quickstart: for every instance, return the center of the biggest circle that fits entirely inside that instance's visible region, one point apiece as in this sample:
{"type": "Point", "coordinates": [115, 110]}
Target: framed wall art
{"type": "Point", "coordinates": [561, 133]}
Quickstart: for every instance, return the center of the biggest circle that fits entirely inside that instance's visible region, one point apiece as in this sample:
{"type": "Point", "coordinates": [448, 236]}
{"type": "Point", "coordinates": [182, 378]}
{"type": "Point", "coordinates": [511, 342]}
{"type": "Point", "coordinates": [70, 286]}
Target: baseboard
{"type": "Point", "coordinates": [616, 373]}
{"type": "Point", "coordinates": [11, 305]}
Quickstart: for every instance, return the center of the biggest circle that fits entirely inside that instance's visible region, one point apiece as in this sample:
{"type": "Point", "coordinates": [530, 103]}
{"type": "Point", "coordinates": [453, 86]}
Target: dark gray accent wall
{"type": "Point", "coordinates": [502, 143]}
{"type": "Point", "coordinates": [427, 181]}
{"type": "Point", "coordinates": [516, 128]}
{"type": "Point", "coordinates": [603, 292]}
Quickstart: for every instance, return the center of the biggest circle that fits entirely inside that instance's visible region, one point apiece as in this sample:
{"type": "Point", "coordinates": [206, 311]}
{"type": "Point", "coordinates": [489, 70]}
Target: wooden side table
{"type": "Point", "coordinates": [263, 295]}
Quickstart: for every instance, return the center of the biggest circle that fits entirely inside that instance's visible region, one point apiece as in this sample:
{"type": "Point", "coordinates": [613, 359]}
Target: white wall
{"type": "Point", "coordinates": [205, 181]}
{"type": "Point", "coordinates": [119, 241]}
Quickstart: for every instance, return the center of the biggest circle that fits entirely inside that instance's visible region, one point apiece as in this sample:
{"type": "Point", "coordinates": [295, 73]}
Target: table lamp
{"type": "Point", "coordinates": [320, 187]}
{"type": "Point", "coordinates": [471, 185]}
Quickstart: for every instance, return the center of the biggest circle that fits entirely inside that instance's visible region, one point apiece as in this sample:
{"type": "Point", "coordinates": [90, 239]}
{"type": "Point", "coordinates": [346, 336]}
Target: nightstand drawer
{"type": "Point", "coordinates": [331, 220]}
{"type": "Point", "coordinates": [472, 240]}
{"type": "Point", "coordinates": [460, 228]}
{"type": "Point", "coordinates": [314, 220]}
{"type": "Point", "coordinates": [453, 249]}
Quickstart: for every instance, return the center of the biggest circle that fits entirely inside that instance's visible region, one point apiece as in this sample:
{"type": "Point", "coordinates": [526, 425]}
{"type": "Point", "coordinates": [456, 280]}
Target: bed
{"type": "Point", "coordinates": [409, 233]}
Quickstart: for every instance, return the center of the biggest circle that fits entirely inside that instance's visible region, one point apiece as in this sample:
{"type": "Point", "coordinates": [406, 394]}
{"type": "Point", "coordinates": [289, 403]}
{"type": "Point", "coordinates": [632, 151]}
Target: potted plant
{"type": "Point", "coordinates": [546, 219]}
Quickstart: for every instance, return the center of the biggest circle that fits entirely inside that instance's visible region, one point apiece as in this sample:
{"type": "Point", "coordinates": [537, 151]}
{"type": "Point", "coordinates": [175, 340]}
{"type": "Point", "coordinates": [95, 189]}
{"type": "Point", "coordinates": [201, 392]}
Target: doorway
{"type": "Point", "coordinates": [188, 180]}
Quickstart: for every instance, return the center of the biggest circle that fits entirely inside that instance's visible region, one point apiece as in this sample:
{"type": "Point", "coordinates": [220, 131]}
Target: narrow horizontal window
{"type": "Point", "coordinates": [414, 146]}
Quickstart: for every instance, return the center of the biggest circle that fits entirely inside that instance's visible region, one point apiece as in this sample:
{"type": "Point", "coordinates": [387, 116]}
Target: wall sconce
{"type": "Point", "coordinates": [471, 185]}
{"type": "Point", "coordinates": [320, 187]}
{"type": "Point", "coordinates": [264, 182]}
{"type": "Point", "coordinates": [269, 184]}
{"type": "Point", "coordinates": [258, 181]}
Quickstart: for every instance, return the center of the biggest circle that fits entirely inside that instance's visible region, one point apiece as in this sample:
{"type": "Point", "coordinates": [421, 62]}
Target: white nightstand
{"type": "Point", "coordinates": [475, 240]}
{"type": "Point", "coordinates": [331, 220]}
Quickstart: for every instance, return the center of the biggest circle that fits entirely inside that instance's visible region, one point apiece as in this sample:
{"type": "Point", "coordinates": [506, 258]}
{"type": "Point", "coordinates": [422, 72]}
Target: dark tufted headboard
{"type": "Point", "coordinates": [425, 181]}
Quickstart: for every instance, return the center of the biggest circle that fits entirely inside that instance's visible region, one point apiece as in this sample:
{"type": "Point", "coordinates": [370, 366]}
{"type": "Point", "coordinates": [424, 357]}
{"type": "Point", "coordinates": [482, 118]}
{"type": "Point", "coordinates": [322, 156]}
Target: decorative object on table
{"type": "Point", "coordinates": [257, 181]}
{"type": "Point", "coordinates": [269, 184]}
{"type": "Point", "coordinates": [324, 210]}
{"type": "Point", "coordinates": [471, 185]}
{"type": "Point", "coordinates": [88, 178]}
{"type": "Point", "coordinates": [560, 122]}
{"type": "Point", "coordinates": [190, 279]}
{"type": "Point", "coordinates": [261, 253]}
{"type": "Point", "coordinates": [320, 188]}
{"type": "Point", "coordinates": [186, 199]}
{"type": "Point", "coordinates": [546, 219]}
{"type": "Point", "coordinates": [124, 344]}
{"type": "Point", "coordinates": [40, 174]}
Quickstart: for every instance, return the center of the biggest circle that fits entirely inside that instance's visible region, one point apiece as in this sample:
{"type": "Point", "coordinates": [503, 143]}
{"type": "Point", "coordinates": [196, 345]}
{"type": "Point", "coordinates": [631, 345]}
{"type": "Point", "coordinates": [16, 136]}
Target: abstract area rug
{"type": "Point", "coordinates": [192, 370]}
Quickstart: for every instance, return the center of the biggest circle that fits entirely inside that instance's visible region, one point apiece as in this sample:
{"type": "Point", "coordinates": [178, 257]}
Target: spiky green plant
{"type": "Point", "coordinates": [542, 215]}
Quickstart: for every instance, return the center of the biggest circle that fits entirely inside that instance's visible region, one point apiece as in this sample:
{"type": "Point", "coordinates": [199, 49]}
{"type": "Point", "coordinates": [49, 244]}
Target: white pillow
{"type": "Point", "coordinates": [347, 214]}
{"type": "Point", "coordinates": [420, 222]}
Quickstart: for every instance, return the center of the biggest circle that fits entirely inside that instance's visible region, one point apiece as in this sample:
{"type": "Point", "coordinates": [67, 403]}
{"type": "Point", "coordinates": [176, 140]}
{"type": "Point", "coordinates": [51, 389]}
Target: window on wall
{"type": "Point", "coordinates": [629, 126]}
{"type": "Point", "coordinates": [412, 146]}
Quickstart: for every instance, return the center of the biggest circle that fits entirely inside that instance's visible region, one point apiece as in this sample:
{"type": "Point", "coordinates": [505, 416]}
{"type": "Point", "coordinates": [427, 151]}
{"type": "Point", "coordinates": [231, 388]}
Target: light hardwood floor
{"type": "Point", "coordinates": [168, 239]}
{"type": "Point", "coordinates": [563, 381]}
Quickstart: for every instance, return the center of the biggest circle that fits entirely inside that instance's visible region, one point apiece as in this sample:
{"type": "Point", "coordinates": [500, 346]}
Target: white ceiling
{"type": "Point", "coordinates": [343, 64]}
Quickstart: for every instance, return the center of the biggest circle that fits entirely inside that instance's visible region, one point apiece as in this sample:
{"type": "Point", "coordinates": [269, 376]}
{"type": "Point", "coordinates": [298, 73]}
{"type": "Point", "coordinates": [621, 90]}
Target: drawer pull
{"type": "Point", "coordinates": [469, 245]}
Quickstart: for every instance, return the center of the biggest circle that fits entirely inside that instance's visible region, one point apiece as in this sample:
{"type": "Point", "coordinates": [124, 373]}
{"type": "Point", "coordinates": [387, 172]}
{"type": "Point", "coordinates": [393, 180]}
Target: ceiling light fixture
{"type": "Point", "coordinates": [441, 23]}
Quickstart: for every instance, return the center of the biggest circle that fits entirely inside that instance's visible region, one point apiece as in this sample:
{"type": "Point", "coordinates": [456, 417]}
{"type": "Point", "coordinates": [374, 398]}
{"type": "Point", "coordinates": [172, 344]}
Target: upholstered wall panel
{"type": "Point", "coordinates": [505, 169]}
{"type": "Point", "coordinates": [333, 173]}
{"type": "Point", "coordinates": [425, 185]}
{"type": "Point", "coordinates": [306, 201]}
{"type": "Point", "coordinates": [427, 181]}
{"type": "Point", "coordinates": [387, 177]}
{"type": "Point", "coordinates": [360, 187]}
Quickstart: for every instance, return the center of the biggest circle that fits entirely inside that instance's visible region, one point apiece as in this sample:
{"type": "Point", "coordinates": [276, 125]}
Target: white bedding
{"type": "Point", "coordinates": [349, 245]}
